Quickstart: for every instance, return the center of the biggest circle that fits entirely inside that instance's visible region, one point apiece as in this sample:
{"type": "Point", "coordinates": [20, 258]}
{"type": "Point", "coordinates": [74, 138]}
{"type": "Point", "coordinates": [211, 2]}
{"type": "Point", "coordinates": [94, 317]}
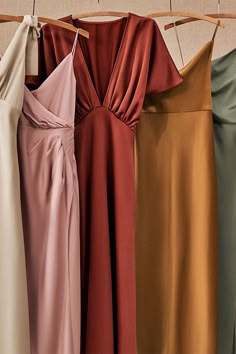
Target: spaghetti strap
{"type": "Point", "coordinates": [216, 29]}
{"type": "Point", "coordinates": [75, 42]}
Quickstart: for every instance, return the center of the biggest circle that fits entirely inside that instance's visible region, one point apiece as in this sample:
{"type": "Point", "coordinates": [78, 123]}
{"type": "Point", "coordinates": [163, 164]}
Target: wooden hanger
{"type": "Point", "coordinates": [11, 18]}
{"type": "Point", "coordinates": [191, 19]}
{"type": "Point", "coordinates": [192, 15]}
{"type": "Point", "coordinates": [154, 15]}
{"type": "Point", "coordinates": [100, 13]}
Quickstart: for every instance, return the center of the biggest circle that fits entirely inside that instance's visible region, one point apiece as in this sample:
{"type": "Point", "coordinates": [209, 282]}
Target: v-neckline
{"type": "Point", "coordinates": [84, 63]}
{"type": "Point", "coordinates": [53, 73]}
{"type": "Point", "coordinates": [33, 94]}
{"type": "Point", "coordinates": [187, 68]}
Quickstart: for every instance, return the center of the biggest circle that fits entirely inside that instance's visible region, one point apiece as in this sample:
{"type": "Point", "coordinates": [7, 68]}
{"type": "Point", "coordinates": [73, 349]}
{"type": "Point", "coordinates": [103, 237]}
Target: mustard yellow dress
{"type": "Point", "coordinates": [176, 227]}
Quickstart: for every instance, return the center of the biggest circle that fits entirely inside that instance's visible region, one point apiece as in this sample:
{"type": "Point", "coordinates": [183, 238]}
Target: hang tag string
{"type": "Point", "coordinates": [33, 12]}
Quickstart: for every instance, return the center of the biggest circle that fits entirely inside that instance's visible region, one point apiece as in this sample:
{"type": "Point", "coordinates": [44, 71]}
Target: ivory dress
{"type": "Point", "coordinates": [14, 318]}
{"type": "Point", "coordinates": [224, 114]}
{"type": "Point", "coordinates": [50, 209]}
{"type": "Point", "coordinates": [121, 61]}
{"type": "Point", "coordinates": [176, 223]}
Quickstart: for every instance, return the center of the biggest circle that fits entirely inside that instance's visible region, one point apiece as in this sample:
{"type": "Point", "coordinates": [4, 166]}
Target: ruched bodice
{"type": "Point", "coordinates": [124, 92]}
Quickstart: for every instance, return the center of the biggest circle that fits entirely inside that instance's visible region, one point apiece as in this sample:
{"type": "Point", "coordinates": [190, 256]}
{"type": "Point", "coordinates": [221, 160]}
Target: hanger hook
{"type": "Point", "coordinates": [33, 12]}
{"type": "Point", "coordinates": [218, 6]}
{"type": "Point", "coordinates": [177, 36]}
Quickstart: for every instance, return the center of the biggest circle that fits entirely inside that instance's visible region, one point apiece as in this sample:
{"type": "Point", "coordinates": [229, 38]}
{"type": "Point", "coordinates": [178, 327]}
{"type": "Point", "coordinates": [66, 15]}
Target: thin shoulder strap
{"type": "Point", "coordinates": [216, 29]}
{"type": "Point", "coordinates": [179, 45]}
{"type": "Point", "coordinates": [75, 42]}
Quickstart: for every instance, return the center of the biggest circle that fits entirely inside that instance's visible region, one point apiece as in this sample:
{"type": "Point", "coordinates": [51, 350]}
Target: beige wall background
{"type": "Point", "coordinates": [192, 36]}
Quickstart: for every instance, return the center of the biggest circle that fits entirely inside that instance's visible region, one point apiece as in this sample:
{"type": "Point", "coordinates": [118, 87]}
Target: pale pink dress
{"type": "Point", "coordinates": [50, 207]}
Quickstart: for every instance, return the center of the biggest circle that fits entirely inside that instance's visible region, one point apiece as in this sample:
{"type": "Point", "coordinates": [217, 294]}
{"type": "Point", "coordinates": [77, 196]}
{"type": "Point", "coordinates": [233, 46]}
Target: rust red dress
{"type": "Point", "coordinates": [121, 62]}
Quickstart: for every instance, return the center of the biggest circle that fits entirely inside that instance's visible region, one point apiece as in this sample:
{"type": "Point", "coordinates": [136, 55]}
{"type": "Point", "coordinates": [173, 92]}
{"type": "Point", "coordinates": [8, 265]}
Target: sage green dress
{"type": "Point", "coordinates": [224, 113]}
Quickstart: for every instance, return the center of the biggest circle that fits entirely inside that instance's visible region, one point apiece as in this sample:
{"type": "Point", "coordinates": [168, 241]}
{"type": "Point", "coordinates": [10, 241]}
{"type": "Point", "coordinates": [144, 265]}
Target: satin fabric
{"type": "Point", "coordinates": [50, 209]}
{"type": "Point", "coordinates": [224, 114]}
{"type": "Point", "coordinates": [176, 220]}
{"type": "Point", "coordinates": [122, 60]}
{"type": "Point", "coordinates": [14, 317]}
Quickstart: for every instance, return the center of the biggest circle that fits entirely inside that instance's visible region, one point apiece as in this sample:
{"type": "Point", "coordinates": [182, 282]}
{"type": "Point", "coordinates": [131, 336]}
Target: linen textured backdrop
{"type": "Point", "coordinates": [192, 36]}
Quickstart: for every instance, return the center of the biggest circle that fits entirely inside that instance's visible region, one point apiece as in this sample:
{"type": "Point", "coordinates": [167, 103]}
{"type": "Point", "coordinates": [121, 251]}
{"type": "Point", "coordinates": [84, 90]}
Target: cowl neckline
{"type": "Point", "coordinates": [224, 88]}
